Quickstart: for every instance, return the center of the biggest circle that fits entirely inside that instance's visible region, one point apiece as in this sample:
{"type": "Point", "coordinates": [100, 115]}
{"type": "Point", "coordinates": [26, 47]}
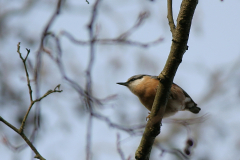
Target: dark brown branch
{"type": "Point", "coordinates": [170, 16]}
{"type": "Point", "coordinates": [178, 48]}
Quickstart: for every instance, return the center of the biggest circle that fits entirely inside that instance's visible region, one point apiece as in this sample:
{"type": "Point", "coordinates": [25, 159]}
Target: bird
{"type": "Point", "coordinates": [145, 88]}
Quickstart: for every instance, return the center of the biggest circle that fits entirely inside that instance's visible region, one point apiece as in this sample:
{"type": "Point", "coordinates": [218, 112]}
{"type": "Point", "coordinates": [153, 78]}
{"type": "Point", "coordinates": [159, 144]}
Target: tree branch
{"type": "Point", "coordinates": [25, 67]}
{"type": "Point", "coordinates": [120, 152]}
{"type": "Point", "coordinates": [111, 41]}
{"type": "Point", "coordinates": [170, 17]}
{"type": "Point", "coordinates": [89, 77]}
{"type": "Point", "coordinates": [178, 48]}
{"type": "Point", "coordinates": [20, 131]}
{"type": "Point", "coordinates": [38, 155]}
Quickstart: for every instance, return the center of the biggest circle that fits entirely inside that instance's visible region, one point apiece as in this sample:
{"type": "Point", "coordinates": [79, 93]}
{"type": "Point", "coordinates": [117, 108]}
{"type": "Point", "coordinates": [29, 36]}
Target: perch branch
{"type": "Point", "coordinates": [178, 48]}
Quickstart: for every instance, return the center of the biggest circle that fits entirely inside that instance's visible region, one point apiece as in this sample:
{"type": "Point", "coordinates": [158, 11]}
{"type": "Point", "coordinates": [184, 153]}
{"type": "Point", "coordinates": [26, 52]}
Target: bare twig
{"type": "Point", "coordinates": [120, 152]}
{"type": "Point", "coordinates": [176, 152]}
{"type": "Point", "coordinates": [111, 41]}
{"type": "Point", "coordinates": [33, 102]}
{"type": "Point", "coordinates": [132, 130]}
{"type": "Point", "coordinates": [11, 146]}
{"type": "Point", "coordinates": [170, 17]}
{"type": "Point", "coordinates": [20, 131]}
{"type": "Point", "coordinates": [8, 124]}
{"type": "Point", "coordinates": [25, 67]}
{"type": "Point", "coordinates": [56, 89]}
{"type": "Point", "coordinates": [24, 137]}
{"type": "Point", "coordinates": [141, 17]}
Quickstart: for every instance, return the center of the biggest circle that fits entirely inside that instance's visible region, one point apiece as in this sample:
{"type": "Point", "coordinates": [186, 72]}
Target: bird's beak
{"type": "Point", "coordinates": [123, 83]}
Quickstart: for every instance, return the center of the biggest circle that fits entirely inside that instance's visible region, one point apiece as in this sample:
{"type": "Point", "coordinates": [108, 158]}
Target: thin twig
{"type": "Point", "coordinates": [141, 17]}
{"type": "Point", "coordinates": [89, 138]}
{"type": "Point", "coordinates": [25, 67]}
{"type": "Point", "coordinates": [24, 137]}
{"type": "Point", "coordinates": [176, 152]}
{"type": "Point", "coordinates": [120, 152]}
{"type": "Point", "coordinates": [32, 103]}
{"type": "Point", "coordinates": [11, 146]}
{"type": "Point", "coordinates": [56, 89]}
{"type": "Point", "coordinates": [133, 130]}
{"type": "Point", "coordinates": [8, 124]}
{"type": "Point", "coordinates": [129, 42]}
{"type": "Point", "coordinates": [170, 16]}
{"type": "Point", "coordinates": [111, 41]}
{"type": "Point", "coordinates": [20, 131]}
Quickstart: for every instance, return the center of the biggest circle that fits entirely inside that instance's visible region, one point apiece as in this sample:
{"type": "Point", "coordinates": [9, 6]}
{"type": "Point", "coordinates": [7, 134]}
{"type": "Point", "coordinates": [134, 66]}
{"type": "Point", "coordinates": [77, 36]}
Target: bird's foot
{"type": "Point", "coordinates": [148, 117]}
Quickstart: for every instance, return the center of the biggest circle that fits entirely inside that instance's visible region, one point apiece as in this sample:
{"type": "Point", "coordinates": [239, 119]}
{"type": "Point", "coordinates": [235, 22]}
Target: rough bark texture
{"type": "Point", "coordinates": [179, 45]}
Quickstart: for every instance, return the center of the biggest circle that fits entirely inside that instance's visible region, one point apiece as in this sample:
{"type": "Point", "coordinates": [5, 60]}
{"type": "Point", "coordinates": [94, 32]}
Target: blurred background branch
{"type": "Point", "coordinates": [128, 37]}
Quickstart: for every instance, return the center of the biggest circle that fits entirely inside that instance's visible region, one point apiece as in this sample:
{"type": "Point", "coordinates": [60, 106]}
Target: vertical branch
{"type": "Point", "coordinates": [44, 33]}
{"type": "Point", "coordinates": [92, 47]}
{"type": "Point", "coordinates": [89, 78]}
{"type": "Point", "coordinates": [89, 138]}
{"type": "Point", "coordinates": [178, 48]}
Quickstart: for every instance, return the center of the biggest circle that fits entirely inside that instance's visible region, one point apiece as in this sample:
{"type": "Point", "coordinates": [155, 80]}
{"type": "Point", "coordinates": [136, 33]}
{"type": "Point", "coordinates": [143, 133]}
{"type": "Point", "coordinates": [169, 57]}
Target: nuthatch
{"type": "Point", "coordinates": [145, 87]}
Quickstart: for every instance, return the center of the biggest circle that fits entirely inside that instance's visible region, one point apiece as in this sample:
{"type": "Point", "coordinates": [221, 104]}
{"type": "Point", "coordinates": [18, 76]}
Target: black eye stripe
{"type": "Point", "coordinates": [133, 78]}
